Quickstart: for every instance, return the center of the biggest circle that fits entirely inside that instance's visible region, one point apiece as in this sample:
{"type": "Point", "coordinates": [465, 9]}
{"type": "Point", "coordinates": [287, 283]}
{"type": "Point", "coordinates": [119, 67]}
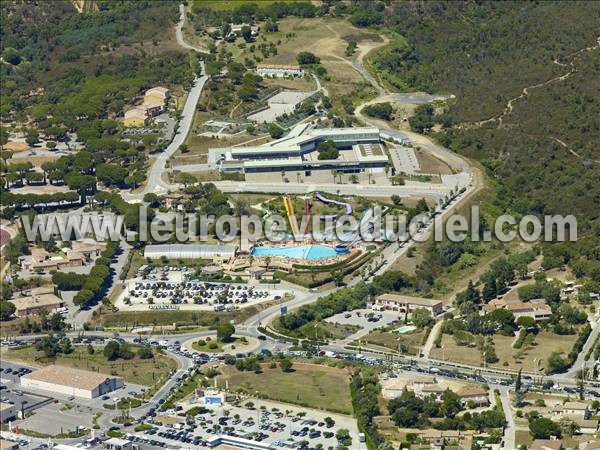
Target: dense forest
{"type": "Point", "coordinates": [543, 149]}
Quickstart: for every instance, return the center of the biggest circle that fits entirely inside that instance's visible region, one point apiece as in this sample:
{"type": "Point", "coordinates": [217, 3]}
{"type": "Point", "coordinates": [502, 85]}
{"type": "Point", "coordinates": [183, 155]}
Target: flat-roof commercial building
{"type": "Point", "coordinates": [359, 149]}
{"type": "Point", "coordinates": [7, 412]}
{"type": "Point", "coordinates": [191, 251]}
{"type": "Point", "coordinates": [8, 445]}
{"type": "Point", "coordinates": [34, 304]}
{"type": "Point", "coordinates": [70, 381]}
{"type": "Point", "coordinates": [406, 304]}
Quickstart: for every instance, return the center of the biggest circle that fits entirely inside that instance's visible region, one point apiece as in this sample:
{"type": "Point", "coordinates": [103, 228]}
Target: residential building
{"type": "Point", "coordinates": [279, 70]}
{"type": "Point", "coordinates": [475, 394]}
{"type": "Point", "coordinates": [359, 149]}
{"type": "Point", "coordinates": [70, 381]}
{"type": "Point", "coordinates": [587, 426]}
{"type": "Point", "coordinates": [88, 248]}
{"type": "Point", "coordinates": [8, 412]}
{"type": "Point", "coordinates": [407, 305]}
{"type": "Point", "coordinates": [437, 390]}
{"type": "Point", "coordinates": [42, 261]}
{"type": "Point", "coordinates": [537, 309]}
{"type": "Point", "coordinates": [590, 444]}
{"type": "Point", "coordinates": [34, 304]}
{"type": "Point", "coordinates": [135, 117]}
{"type": "Point", "coordinates": [546, 444]}
{"type": "Point", "coordinates": [157, 94]}
{"type": "Point", "coordinates": [579, 410]}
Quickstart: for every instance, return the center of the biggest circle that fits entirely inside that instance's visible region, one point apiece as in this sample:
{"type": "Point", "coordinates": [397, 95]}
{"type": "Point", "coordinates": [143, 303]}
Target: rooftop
{"type": "Point", "coordinates": [36, 301]}
{"type": "Point", "coordinates": [576, 405]}
{"type": "Point", "coordinates": [405, 299]}
{"type": "Point", "coordinates": [4, 406]}
{"type": "Point", "coordinates": [546, 444]}
{"type": "Point", "coordinates": [68, 376]}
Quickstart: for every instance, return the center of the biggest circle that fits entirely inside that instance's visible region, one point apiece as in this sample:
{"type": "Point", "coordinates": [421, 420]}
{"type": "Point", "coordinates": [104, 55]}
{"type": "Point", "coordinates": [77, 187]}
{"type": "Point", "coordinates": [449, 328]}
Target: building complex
{"type": "Point", "coordinates": [359, 149]}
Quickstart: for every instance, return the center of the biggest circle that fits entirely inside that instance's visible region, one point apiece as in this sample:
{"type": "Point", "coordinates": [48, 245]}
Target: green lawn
{"type": "Point", "coordinates": [409, 343]}
{"type": "Point", "coordinates": [146, 372]}
{"type": "Point", "coordinates": [317, 387]}
{"type": "Point", "coordinates": [206, 348]}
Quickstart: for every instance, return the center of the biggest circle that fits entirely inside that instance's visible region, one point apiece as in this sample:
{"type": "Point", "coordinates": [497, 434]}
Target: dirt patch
{"type": "Point", "coordinates": [362, 36]}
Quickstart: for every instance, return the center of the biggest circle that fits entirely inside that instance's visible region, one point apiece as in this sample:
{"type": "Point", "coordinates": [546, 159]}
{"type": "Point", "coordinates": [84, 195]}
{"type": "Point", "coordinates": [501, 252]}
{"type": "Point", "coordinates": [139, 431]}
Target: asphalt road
{"type": "Point", "coordinates": [341, 189]}
{"type": "Point", "coordinates": [155, 183]}
{"type": "Point", "coordinates": [510, 429]}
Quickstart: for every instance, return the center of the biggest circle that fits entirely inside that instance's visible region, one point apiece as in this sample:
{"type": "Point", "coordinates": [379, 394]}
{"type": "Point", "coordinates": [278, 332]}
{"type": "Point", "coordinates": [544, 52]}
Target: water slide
{"type": "Point", "coordinates": [289, 209]}
{"type": "Point", "coordinates": [323, 199]}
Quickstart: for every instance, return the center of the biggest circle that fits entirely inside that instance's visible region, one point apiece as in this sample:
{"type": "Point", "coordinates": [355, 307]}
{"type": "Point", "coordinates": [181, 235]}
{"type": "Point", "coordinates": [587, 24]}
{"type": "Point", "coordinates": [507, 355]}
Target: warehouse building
{"type": "Point", "coordinates": [70, 381]}
{"type": "Point", "coordinates": [191, 251]}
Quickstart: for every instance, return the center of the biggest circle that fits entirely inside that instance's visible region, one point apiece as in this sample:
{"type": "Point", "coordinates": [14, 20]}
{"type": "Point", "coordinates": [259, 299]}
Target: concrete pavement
{"type": "Point", "coordinates": [437, 193]}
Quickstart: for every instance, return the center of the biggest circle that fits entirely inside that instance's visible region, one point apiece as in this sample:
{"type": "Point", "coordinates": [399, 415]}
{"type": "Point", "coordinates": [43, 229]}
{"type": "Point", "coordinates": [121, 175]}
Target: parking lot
{"type": "Point", "coordinates": [174, 289]}
{"type": "Point", "coordinates": [367, 319]}
{"type": "Point", "coordinates": [269, 422]}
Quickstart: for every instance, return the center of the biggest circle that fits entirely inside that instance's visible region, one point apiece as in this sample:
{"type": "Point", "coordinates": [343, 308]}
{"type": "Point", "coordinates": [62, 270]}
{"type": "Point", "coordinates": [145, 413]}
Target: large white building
{"type": "Point", "coordinates": [359, 149]}
{"type": "Point", "coordinates": [191, 251]}
{"type": "Point", "coordinates": [279, 70]}
{"type": "Point", "coordinates": [70, 381]}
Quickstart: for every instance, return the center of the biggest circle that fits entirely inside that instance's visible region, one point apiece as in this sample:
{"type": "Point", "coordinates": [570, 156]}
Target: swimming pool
{"type": "Point", "coordinates": [298, 252]}
{"type": "Point", "coordinates": [406, 329]}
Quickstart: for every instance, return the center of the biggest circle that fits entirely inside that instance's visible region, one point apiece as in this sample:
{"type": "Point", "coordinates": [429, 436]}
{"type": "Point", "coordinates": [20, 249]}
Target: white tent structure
{"type": "Point", "coordinates": [190, 251]}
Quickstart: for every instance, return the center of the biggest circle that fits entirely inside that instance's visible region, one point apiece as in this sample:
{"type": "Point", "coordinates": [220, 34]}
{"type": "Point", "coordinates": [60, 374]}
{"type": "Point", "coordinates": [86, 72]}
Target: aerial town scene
{"type": "Point", "coordinates": [299, 224]}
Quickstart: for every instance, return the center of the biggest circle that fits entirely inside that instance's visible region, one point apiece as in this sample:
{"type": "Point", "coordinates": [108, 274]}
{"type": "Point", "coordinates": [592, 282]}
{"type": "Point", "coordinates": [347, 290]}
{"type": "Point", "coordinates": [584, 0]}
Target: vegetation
{"type": "Point", "coordinates": [311, 386]}
{"type": "Point", "coordinates": [345, 299]}
{"type": "Point", "coordinates": [327, 150]}
{"type": "Point", "coordinates": [380, 111]}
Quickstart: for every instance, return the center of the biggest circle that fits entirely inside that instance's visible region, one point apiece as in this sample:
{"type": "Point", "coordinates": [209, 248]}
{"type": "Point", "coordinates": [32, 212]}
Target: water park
{"type": "Point", "coordinates": [300, 244]}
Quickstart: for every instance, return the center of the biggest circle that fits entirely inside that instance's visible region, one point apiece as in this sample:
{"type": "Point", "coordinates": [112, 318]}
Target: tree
{"type": "Point", "coordinates": [286, 364]}
{"type": "Point", "coordinates": [327, 150]}
{"type": "Point", "coordinates": [275, 131]}
{"type": "Point", "coordinates": [380, 111]}
{"type": "Point", "coordinates": [396, 200]}
{"type": "Point", "coordinates": [7, 309]}
{"type": "Point", "coordinates": [556, 363]}
{"type": "Point", "coordinates": [225, 332]}
{"type": "Point", "coordinates": [422, 318]}
{"type": "Point", "coordinates": [543, 428]}
{"type": "Point", "coordinates": [186, 179]}
{"type": "Point", "coordinates": [145, 352]}
{"type": "Point", "coordinates": [305, 58]}
{"type": "Point", "coordinates": [152, 199]}
{"type": "Point", "coordinates": [112, 351]}
{"type": "Point", "coordinates": [247, 33]}
{"type": "Point", "coordinates": [184, 148]}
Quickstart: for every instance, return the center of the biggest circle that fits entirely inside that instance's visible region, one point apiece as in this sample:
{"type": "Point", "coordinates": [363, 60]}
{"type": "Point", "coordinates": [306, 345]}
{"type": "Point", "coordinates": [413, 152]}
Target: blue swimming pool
{"type": "Point", "coordinates": [298, 252]}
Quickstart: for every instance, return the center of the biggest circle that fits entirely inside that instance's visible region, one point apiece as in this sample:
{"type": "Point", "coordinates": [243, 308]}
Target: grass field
{"type": "Point", "coordinates": [206, 348]}
{"type": "Point", "coordinates": [128, 319]}
{"type": "Point", "coordinates": [539, 348]}
{"type": "Point", "coordinates": [409, 343]}
{"type": "Point", "coordinates": [312, 386]}
{"type": "Point", "coordinates": [146, 372]}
